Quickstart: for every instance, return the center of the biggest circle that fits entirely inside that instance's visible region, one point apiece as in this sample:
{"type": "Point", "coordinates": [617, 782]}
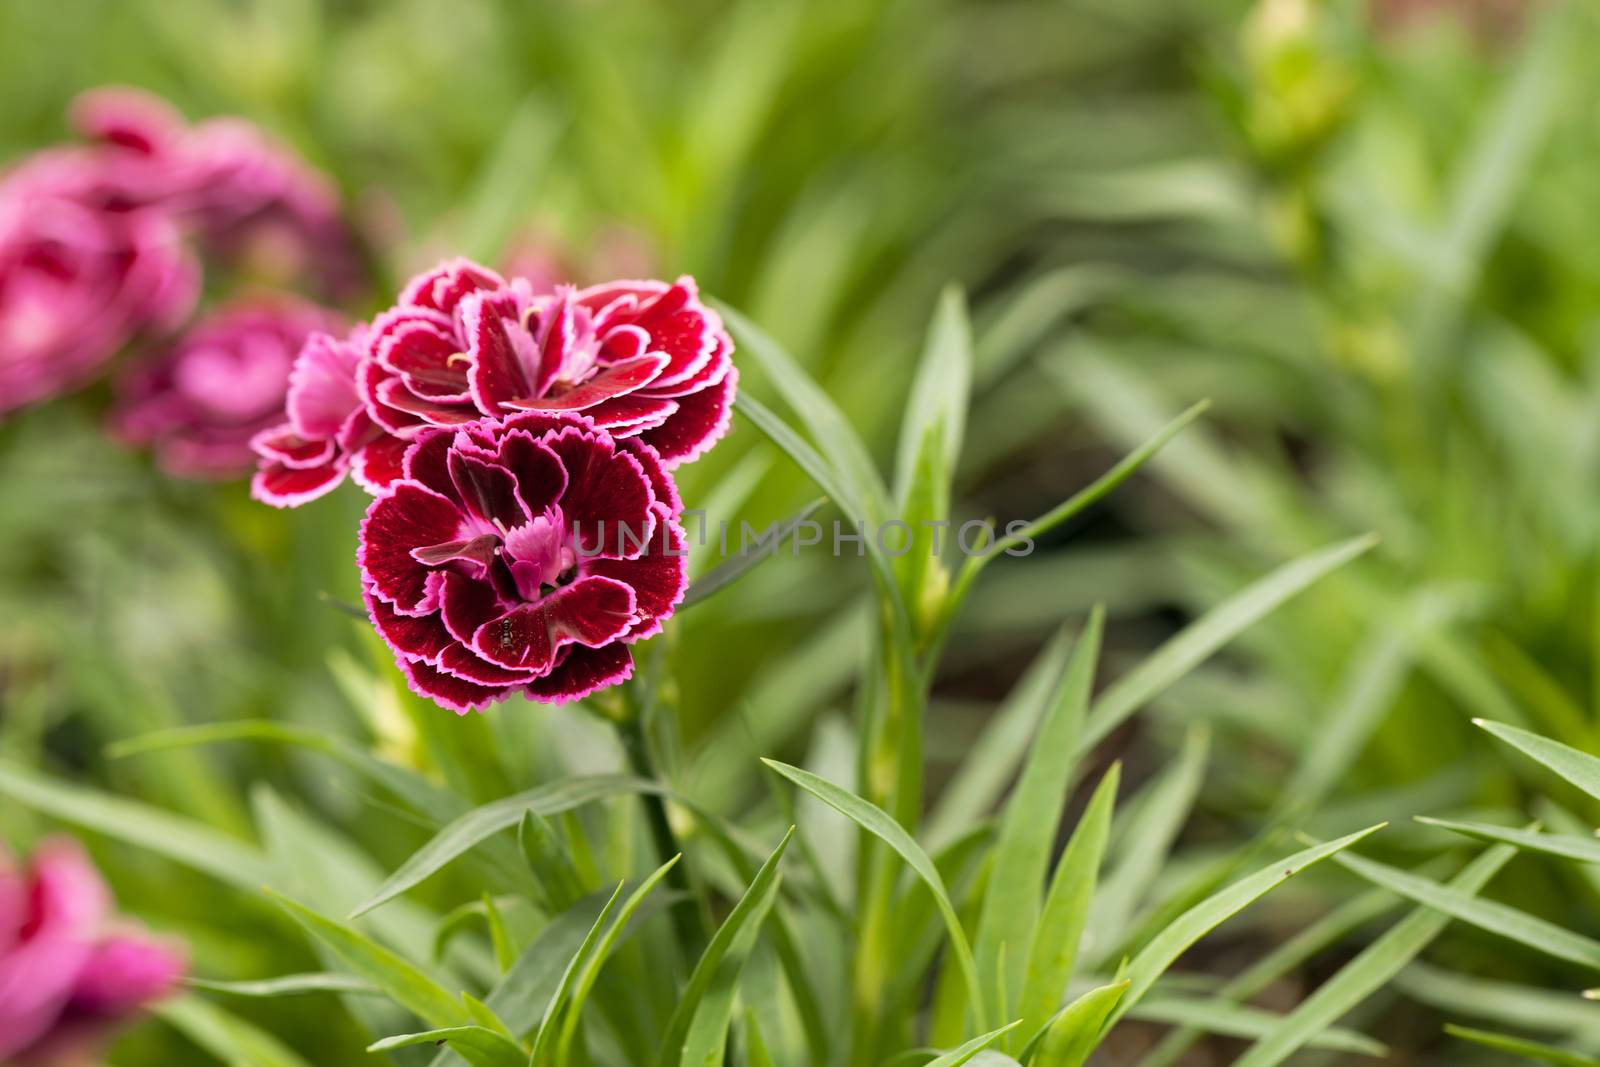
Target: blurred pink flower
{"type": "Point", "coordinates": [83, 269]}
{"type": "Point", "coordinates": [522, 556]}
{"type": "Point", "coordinates": [201, 400]}
{"type": "Point", "coordinates": [66, 977]}
{"type": "Point", "coordinates": [249, 200]}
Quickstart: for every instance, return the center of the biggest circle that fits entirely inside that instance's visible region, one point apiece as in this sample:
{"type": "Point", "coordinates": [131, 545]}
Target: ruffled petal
{"type": "Point", "coordinates": [581, 672]}
{"type": "Point", "coordinates": [410, 517]}
{"type": "Point", "coordinates": [591, 611]}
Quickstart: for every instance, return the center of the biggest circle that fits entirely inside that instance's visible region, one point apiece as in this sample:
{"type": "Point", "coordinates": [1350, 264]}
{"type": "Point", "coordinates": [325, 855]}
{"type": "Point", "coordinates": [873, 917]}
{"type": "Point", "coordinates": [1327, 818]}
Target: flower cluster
{"type": "Point", "coordinates": [640, 359]}
{"type": "Point", "coordinates": [518, 443]}
{"type": "Point", "coordinates": [66, 976]}
{"type": "Point", "coordinates": [98, 240]}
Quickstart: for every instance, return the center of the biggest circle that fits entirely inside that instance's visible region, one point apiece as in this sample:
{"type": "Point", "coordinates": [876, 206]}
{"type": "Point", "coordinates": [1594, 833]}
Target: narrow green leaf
{"type": "Point", "coordinates": [1566, 846]}
{"type": "Point", "coordinates": [1153, 960]}
{"type": "Point", "coordinates": [1066, 908]}
{"type": "Point", "coordinates": [705, 1045]}
{"type": "Point", "coordinates": [182, 840]}
{"type": "Point", "coordinates": [937, 407]}
{"type": "Point", "coordinates": [1163, 808]}
{"type": "Point", "coordinates": [753, 905]}
{"type": "Point", "coordinates": [591, 968]}
{"type": "Point", "coordinates": [1076, 1029]}
{"type": "Point", "coordinates": [1488, 915]}
{"type": "Point", "coordinates": [1579, 768]}
{"type": "Point", "coordinates": [544, 1043]}
{"type": "Point", "coordinates": [226, 1036]}
{"type": "Point", "coordinates": [823, 420]}
{"type": "Point", "coordinates": [878, 823]}
{"type": "Point", "coordinates": [1528, 1051]}
{"type": "Point", "coordinates": [1232, 1020]}
{"type": "Point", "coordinates": [1368, 971]}
{"type": "Point", "coordinates": [289, 985]}
{"type": "Point", "coordinates": [478, 1045]}
{"type": "Point", "coordinates": [729, 571]}
{"type": "Point", "coordinates": [483, 822]}
{"type": "Point", "coordinates": [1197, 641]}
{"type": "Point", "coordinates": [957, 1056]}
{"type": "Point", "coordinates": [404, 983]}
{"type": "Point", "coordinates": [992, 763]}
{"type": "Point", "coordinates": [1021, 857]}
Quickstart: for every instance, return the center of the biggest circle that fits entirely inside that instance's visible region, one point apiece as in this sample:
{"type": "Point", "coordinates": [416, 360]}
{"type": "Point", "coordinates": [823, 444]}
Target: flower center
{"type": "Point", "coordinates": [538, 554]}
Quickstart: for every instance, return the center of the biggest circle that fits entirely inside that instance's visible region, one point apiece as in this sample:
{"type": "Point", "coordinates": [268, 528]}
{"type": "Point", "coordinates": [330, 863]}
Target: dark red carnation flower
{"type": "Point", "coordinates": [201, 400]}
{"type": "Point", "coordinates": [522, 556]}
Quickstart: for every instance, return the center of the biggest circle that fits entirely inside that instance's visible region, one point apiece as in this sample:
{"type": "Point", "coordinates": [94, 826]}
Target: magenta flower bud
{"type": "Point", "coordinates": [202, 400]}
{"type": "Point", "coordinates": [66, 979]}
{"type": "Point", "coordinates": [78, 279]}
{"type": "Point", "coordinates": [522, 556]}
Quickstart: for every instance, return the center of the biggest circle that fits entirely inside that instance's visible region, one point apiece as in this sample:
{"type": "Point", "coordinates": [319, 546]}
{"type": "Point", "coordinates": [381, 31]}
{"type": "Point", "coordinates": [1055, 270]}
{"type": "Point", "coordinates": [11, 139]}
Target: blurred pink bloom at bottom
{"type": "Point", "coordinates": [67, 976]}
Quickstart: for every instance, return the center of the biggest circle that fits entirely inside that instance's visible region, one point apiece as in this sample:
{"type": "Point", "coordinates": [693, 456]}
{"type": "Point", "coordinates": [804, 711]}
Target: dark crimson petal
{"type": "Point", "coordinates": [419, 637]}
{"type": "Point", "coordinates": [716, 368]}
{"type": "Point", "coordinates": [466, 604]}
{"type": "Point", "coordinates": [427, 461]}
{"type": "Point", "coordinates": [444, 286]}
{"type": "Point", "coordinates": [499, 353]}
{"type": "Point", "coordinates": [607, 496]}
{"type": "Point", "coordinates": [658, 578]}
{"type": "Point", "coordinates": [460, 661]}
{"type": "Point", "coordinates": [395, 394]}
{"type": "Point", "coordinates": [370, 379]}
{"type": "Point", "coordinates": [558, 332]}
{"type": "Point", "coordinates": [590, 611]}
{"type": "Point", "coordinates": [448, 691]}
{"type": "Point", "coordinates": [632, 413]}
{"type": "Point", "coordinates": [479, 550]}
{"type": "Point", "coordinates": [287, 487]}
{"type": "Point", "coordinates": [700, 422]}
{"type": "Point", "coordinates": [666, 490]}
{"type": "Point", "coordinates": [427, 355]}
{"type": "Point", "coordinates": [615, 380]}
{"type": "Point", "coordinates": [377, 466]}
{"type": "Point", "coordinates": [410, 517]}
{"type": "Point", "coordinates": [488, 490]}
{"type": "Point", "coordinates": [540, 477]}
{"type": "Point", "coordinates": [583, 671]}
{"type": "Point", "coordinates": [680, 326]}
{"type": "Point", "coordinates": [538, 422]}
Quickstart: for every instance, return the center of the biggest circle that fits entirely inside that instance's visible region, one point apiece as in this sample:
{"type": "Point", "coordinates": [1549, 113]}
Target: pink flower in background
{"type": "Point", "coordinates": [66, 975]}
{"type": "Point", "coordinates": [249, 200]}
{"type": "Point", "coordinates": [522, 556]}
{"type": "Point", "coordinates": [78, 281]}
{"type": "Point", "coordinates": [200, 401]}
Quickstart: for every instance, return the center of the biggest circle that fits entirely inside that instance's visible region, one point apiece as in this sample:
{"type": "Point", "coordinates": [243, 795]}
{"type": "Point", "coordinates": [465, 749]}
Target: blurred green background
{"type": "Point", "coordinates": [1367, 231]}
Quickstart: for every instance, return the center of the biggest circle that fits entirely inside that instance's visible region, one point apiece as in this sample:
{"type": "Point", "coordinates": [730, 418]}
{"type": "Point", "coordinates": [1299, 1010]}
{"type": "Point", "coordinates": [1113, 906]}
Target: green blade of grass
{"type": "Point", "coordinates": [1528, 1051]}
{"type": "Point", "coordinates": [591, 968]}
{"type": "Point", "coordinates": [1233, 1020]}
{"type": "Point", "coordinates": [1021, 856]}
{"type": "Point", "coordinates": [1066, 908]}
{"type": "Point", "coordinates": [878, 823]}
{"type": "Point", "coordinates": [937, 406]}
{"type": "Point", "coordinates": [226, 1036]}
{"type": "Point", "coordinates": [1164, 949]}
{"type": "Point", "coordinates": [964, 1054]}
{"type": "Point", "coordinates": [544, 1042]}
{"type": "Point", "coordinates": [752, 906]}
{"type": "Point", "coordinates": [1578, 768]}
{"type": "Point", "coordinates": [184, 841]}
{"type": "Point", "coordinates": [1487, 915]}
{"type": "Point", "coordinates": [1368, 971]}
{"type": "Point", "coordinates": [1185, 651]}
{"type": "Point", "coordinates": [478, 1045]}
{"type": "Point", "coordinates": [289, 985]}
{"type": "Point", "coordinates": [483, 822]}
{"type": "Point", "coordinates": [402, 981]}
{"type": "Point", "coordinates": [1565, 846]}
{"type": "Point", "coordinates": [982, 776]}
{"type": "Point", "coordinates": [1076, 1029]}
